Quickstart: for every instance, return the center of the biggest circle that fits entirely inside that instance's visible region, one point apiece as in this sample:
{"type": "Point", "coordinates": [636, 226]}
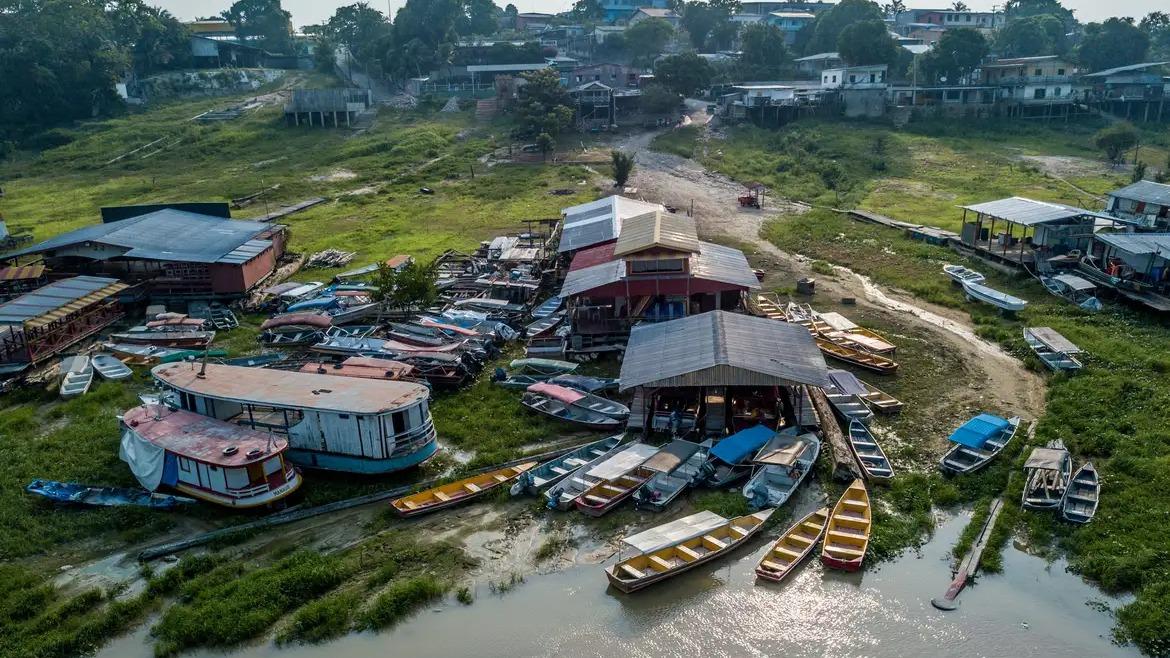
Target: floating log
{"type": "Point", "coordinates": [845, 467]}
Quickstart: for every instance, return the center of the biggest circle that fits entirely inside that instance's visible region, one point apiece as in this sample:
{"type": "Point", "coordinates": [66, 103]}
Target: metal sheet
{"type": "Point", "coordinates": [1075, 282]}
{"type": "Point", "coordinates": [1027, 212]}
{"type": "Point", "coordinates": [680, 530]}
{"type": "Point", "coordinates": [201, 437]}
{"type": "Point", "coordinates": [847, 383]}
{"type": "Point", "coordinates": [657, 229]}
{"type": "Point", "coordinates": [1053, 340]}
{"type": "Point", "coordinates": [1138, 243]}
{"type": "Point", "coordinates": [1146, 191]}
{"type": "Point", "coordinates": [672, 455]}
{"type": "Point", "coordinates": [599, 221]}
{"type": "Point", "coordinates": [58, 299]}
{"type": "Point", "coordinates": [623, 462]}
{"type": "Point", "coordinates": [838, 321]}
{"type": "Point", "coordinates": [1048, 459]}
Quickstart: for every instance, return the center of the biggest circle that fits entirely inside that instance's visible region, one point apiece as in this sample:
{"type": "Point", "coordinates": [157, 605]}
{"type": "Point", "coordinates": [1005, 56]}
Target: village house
{"type": "Point", "coordinates": [616, 76]}
{"type": "Point", "coordinates": [595, 104]}
{"type": "Point", "coordinates": [813, 65]}
{"type": "Point", "coordinates": [855, 77]}
{"type": "Point", "coordinates": [1139, 92]}
{"type": "Point", "coordinates": [597, 222]}
{"type": "Point", "coordinates": [1034, 86]}
{"type": "Point", "coordinates": [327, 107]}
{"type": "Point", "coordinates": [662, 13]}
{"type": "Point", "coordinates": [1056, 230]}
{"type": "Point", "coordinates": [623, 10]}
{"type": "Point", "coordinates": [765, 7]}
{"type": "Point", "coordinates": [790, 23]}
{"type": "Point", "coordinates": [532, 21]}
{"type": "Point", "coordinates": [1144, 203]}
{"type": "Point", "coordinates": [1136, 265]}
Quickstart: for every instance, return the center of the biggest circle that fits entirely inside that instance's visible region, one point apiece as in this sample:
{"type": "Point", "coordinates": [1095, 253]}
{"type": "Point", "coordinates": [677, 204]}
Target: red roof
{"type": "Point", "coordinates": [200, 437]}
{"type": "Point", "coordinates": [364, 367]}
{"type": "Point", "coordinates": [595, 255]}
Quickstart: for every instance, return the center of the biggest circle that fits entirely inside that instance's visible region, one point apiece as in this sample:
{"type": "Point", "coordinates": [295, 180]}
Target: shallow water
{"type": "Point", "coordinates": [1033, 609]}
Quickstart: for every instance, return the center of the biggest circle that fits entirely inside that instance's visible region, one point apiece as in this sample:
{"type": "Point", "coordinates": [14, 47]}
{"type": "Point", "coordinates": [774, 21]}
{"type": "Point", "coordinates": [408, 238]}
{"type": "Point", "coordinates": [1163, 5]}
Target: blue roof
{"type": "Point", "coordinates": [736, 448]}
{"type": "Point", "coordinates": [975, 432]}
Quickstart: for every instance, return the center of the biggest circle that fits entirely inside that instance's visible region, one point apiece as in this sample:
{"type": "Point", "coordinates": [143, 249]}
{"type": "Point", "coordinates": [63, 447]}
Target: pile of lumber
{"type": "Point", "coordinates": [331, 258]}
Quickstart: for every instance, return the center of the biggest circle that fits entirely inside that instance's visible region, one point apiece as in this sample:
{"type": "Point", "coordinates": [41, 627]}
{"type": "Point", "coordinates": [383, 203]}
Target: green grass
{"type": "Point", "coordinates": [324, 619]}
{"type": "Point", "coordinates": [400, 600]}
{"type": "Point", "coordinates": [681, 141]}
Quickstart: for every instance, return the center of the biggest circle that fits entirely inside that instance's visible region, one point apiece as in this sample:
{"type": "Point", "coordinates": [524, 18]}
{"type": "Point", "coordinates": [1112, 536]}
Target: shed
{"type": "Point", "coordinates": [657, 230]}
{"type": "Point", "coordinates": [679, 530]}
{"type": "Point", "coordinates": [44, 322]}
{"type": "Point", "coordinates": [1055, 228]}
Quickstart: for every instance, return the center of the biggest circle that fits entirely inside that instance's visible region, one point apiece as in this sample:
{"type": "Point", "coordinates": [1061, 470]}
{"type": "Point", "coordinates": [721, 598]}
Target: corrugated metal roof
{"type": "Point", "coordinates": [723, 264]}
{"type": "Point", "coordinates": [1138, 243]}
{"type": "Point", "coordinates": [722, 349]}
{"type": "Point", "coordinates": [167, 234]}
{"type": "Point", "coordinates": [1125, 69]}
{"type": "Point", "coordinates": [595, 276]}
{"type": "Point", "coordinates": [58, 299]}
{"type": "Point", "coordinates": [599, 221]}
{"type": "Point", "coordinates": [1028, 212]}
{"type": "Point", "coordinates": [1054, 340]}
{"type": "Point", "coordinates": [657, 229]}
{"type": "Point", "coordinates": [22, 272]}
{"type": "Point", "coordinates": [245, 252]}
{"type": "Point", "coordinates": [1147, 191]}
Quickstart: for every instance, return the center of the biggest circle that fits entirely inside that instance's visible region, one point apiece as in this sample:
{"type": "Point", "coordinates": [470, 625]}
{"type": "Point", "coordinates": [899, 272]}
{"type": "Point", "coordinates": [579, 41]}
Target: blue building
{"type": "Point", "coordinates": [616, 10]}
{"type": "Point", "coordinates": [791, 22]}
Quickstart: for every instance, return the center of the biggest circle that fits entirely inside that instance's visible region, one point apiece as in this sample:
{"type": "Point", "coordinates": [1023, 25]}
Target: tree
{"type": "Point", "coordinates": [867, 42]}
{"type": "Point", "coordinates": [1156, 25]}
{"type": "Point", "coordinates": [657, 99]}
{"type": "Point", "coordinates": [893, 9]}
{"type": "Point", "coordinates": [411, 287]}
{"type": "Point", "coordinates": [1032, 37]}
{"type": "Point", "coordinates": [546, 144]}
{"type": "Point", "coordinates": [623, 166]}
{"type": "Point", "coordinates": [544, 106]}
{"type": "Point", "coordinates": [588, 10]}
{"type": "Point", "coordinates": [324, 55]}
{"type": "Point", "coordinates": [1115, 140]}
{"type": "Point", "coordinates": [262, 20]}
{"type": "Point", "coordinates": [154, 38]}
{"type": "Point", "coordinates": [1020, 9]}
{"type": "Point", "coordinates": [826, 30]}
{"type": "Point", "coordinates": [1116, 42]}
{"type": "Point", "coordinates": [959, 5]}
{"type": "Point", "coordinates": [763, 45]}
{"type": "Point", "coordinates": [1139, 172]}
{"type": "Point", "coordinates": [646, 39]}
{"type": "Point", "coordinates": [360, 28]}
{"type": "Point", "coordinates": [707, 20]}
{"type": "Point", "coordinates": [482, 17]}
{"type": "Point", "coordinates": [956, 55]}
{"type": "Point", "coordinates": [683, 74]}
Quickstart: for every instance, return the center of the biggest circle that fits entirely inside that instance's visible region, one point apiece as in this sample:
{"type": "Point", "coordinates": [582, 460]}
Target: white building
{"type": "Point", "coordinates": [872, 76]}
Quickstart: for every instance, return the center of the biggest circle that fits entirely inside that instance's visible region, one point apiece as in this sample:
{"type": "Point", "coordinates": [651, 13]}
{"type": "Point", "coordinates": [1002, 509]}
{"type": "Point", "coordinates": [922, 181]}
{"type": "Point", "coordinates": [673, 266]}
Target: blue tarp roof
{"type": "Point", "coordinates": [736, 448]}
{"type": "Point", "coordinates": [975, 432]}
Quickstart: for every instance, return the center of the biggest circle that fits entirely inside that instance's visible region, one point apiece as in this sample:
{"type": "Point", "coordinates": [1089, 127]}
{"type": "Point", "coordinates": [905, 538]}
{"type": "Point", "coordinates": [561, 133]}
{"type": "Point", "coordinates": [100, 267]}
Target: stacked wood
{"type": "Point", "coordinates": [331, 258]}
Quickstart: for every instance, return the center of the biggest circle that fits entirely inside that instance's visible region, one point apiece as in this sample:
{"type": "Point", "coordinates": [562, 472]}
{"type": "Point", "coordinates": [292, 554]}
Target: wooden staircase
{"type": "Point", "coordinates": [487, 109]}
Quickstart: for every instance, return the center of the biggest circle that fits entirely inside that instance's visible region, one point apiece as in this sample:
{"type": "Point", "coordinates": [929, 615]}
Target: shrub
{"type": "Point", "coordinates": [401, 599]}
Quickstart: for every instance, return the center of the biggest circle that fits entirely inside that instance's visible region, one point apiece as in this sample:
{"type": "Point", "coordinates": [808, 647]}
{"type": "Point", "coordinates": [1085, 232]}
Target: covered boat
{"type": "Point", "coordinates": [869, 453]}
{"type": "Point", "coordinates": [846, 397]}
{"type": "Point", "coordinates": [547, 308]}
{"type": "Point", "coordinates": [109, 367]}
{"type": "Point", "coordinates": [1079, 504]}
{"type": "Point", "coordinates": [586, 383]}
{"type": "Point", "coordinates": [77, 376]}
{"type": "Point", "coordinates": [81, 494]}
{"type": "Point", "coordinates": [1074, 290]}
{"type": "Point", "coordinates": [996, 298]}
{"type": "Point", "coordinates": [793, 546]}
{"type": "Point", "coordinates": [977, 442]}
{"type": "Point", "coordinates": [643, 570]}
{"type": "Point", "coordinates": [960, 274]}
{"type": "Point", "coordinates": [731, 458]}
{"type": "Point", "coordinates": [455, 493]}
{"type": "Point", "coordinates": [1048, 471]}
{"type": "Point", "coordinates": [564, 495]}
{"type": "Point", "coordinates": [1055, 351]}
{"type": "Point", "coordinates": [345, 424]}
{"type": "Point", "coordinates": [206, 458]}
{"type": "Point", "coordinates": [561, 403]}
{"type": "Point", "coordinates": [550, 367]}
{"type": "Point", "coordinates": [581, 399]}
{"type": "Point", "coordinates": [188, 339]}
{"type": "Point", "coordinates": [677, 466]}
{"type": "Point", "coordinates": [553, 471]}
{"type": "Point", "coordinates": [784, 463]}
{"type": "Point", "coordinates": [847, 534]}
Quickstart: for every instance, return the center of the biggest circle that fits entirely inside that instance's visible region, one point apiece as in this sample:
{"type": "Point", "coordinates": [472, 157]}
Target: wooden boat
{"type": "Point", "coordinates": [1079, 504]}
{"type": "Point", "coordinates": [564, 494]}
{"type": "Point", "coordinates": [80, 494]}
{"type": "Point", "coordinates": [547, 308]}
{"type": "Point", "coordinates": [877, 363]}
{"type": "Point", "coordinates": [545, 347]}
{"type": "Point", "coordinates": [608, 494]}
{"type": "Point", "coordinates": [582, 400]}
{"type": "Point", "coordinates": [848, 332]}
{"type": "Point", "coordinates": [678, 464]}
{"type": "Point", "coordinates": [869, 454]}
{"type": "Point", "coordinates": [977, 442]}
{"type": "Point", "coordinates": [996, 298]}
{"type": "Point", "coordinates": [77, 376]}
{"type": "Point", "coordinates": [960, 274]}
{"type": "Point", "coordinates": [1048, 470]}
{"type": "Point", "coordinates": [848, 530]}
{"type": "Point", "coordinates": [849, 407]}
{"type": "Point", "coordinates": [521, 382]}
{"type": "Point", "coordinates": [166, 338]}
{"type": "Point", "coordinates": [548, 367]}
{"type": "Point", "coordinates": [544, 325]}
{"type": "Point", "coordinates": [454, 493]}
{"type": "Point", "coordinates": [1056, 352]}
{"type": "Point", "coordinates": [561, 409]}
{"type": "Point", "coordinates": [109, 367]}
{"type": "Point", "coordinates": [643, 570]}
{"type": "Point", "coordinates": [730, 459]}
{"type": "Point", "coordinates": [1074, 290]}
{"type": "Point", "coordinates": [879, 400]}
{"type": "Point", "coordinates": [793, 546]}
{"type": "Point", "coordinates": [586, 384]}
{"type": "Point", "coordinates": [553, 471]}
{"type": "Point", "coordinates": [784, 463]}
{"type": "Point", "coordinates": [768, 306]}
{"type": "Point", "coordinates": [803, 315]}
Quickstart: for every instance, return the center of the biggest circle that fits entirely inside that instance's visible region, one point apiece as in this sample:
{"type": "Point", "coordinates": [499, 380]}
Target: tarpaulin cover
{"type": "Point", "coordinates": [669, 534]}
{"type": "Point", "coordinates": [785, 454]}
{"type": "Point", "coordinates": [735, 448]}
{"type": "Point", "coordinates": [672, 455]}
{"type": "Point", "coordinates": [975, 432]}
{"type": "Point", "coordinates": [566, 395]}
{"type": "Point", "coordinates": [623, 462]}
{"type": "Point", "coordinates": [144, 458]}
{"type": "Point", "coordinates": [1047, 459]}
{"type": "Point", "coordinates": [847, 382]}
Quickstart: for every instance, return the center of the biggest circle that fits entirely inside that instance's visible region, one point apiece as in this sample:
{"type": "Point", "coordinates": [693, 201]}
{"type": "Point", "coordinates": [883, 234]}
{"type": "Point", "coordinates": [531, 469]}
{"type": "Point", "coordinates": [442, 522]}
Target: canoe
{"type": "Point", "coordinates": [783, 464]}
{"type": "Point", "coordinates": [1048, 470]}
{"type": "Point", "coordinates": [69, 492]}
{"type": "Point", "coordinates": [544, 325]}
{"type": "Point", "coordinates": [77, 376]}
{"type": "Point", "coordinates": [635, 573]}
{"type": "Point", "coordinates": [109, 367]}
{"type": "Point", "coordinates": [959, 274]}
{"type": "Point", "coordinates": [582, 400]}
{"type": "Point", "coordinates": [847, 533]}
{"type": "Point", "coordinates": [608, 494]}
{"type": "Point", "coordinates": [553, 471]}
{"type": "Point", "coordinates": [687, 459]}
{"type": "Point", "coordinates": [547, 308]}
{"type": "Point", "coordinates": [768, 306]}
{"type": "Point", "coordinates": [848, 332]}
{"type": "Point", "coordinates": [849, 407]}
{"type": "Point", "coordinates": [455, 493]}
{"type": "Point", "coordinates": [569, 413]}
{"type": "Point", "coordinates": [1079, 504]}
{"type": "Point", "coordinates": [586, 384]}
{"type": "Point", "coordinates": [1055, 351]}
{"type": "Point", "coordinates": [977, 442]}
{"type": "Point", "coordinates": [867, 360]}
{"type": "Point", "coordinates": [520, 382]}
{"type": "Point", "coordinates": [996, 298]}
{"type": "Point", "coordinates": [166, 338]}
{"type": "Point", "coordinates": [564, 495]}
{"type": "Point", "coordinates": [1074, 290]}
{"type": "Point", "coordinates": [543, 366]}
{"type": "Point", "coordinates": [793, 546]}
{"type": "Point", "coordinates": [869, 454]}
{"type": "Point", "coordinates": [880, 401]}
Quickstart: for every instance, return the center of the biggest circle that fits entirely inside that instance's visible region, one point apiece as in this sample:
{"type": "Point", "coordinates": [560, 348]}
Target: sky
{"type": "Point", "coordinates": [308, 12]}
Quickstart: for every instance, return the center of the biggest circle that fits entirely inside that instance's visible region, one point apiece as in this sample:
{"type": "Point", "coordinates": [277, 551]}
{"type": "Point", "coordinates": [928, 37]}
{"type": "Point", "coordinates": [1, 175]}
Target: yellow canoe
{"type": "Point", "coordinates": [793, 546]}
{"type": "Point", "coordinates": [874, 362]}
{"type": "Point", "coordinates": [847, 534]}
{"type": "Point", "coordinates": [454, 493]}
{"type": "Point", "coordinates": [643, 570]}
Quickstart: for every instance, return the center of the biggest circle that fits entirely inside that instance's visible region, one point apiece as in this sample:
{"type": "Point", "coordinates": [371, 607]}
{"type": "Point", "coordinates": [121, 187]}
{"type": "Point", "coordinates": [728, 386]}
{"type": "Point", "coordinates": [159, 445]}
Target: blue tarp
{"type": "Point", "coordinates": [313, 304]}
{"type": "Point", "coordinates": [975, 432]}
{"type": "Point", "coordinates": [739, 446]}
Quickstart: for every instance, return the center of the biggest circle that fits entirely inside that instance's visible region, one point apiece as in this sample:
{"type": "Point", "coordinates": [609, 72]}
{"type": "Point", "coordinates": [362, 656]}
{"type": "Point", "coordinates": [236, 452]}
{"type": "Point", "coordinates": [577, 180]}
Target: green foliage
{"type": "Point", "coordinates": [1116, 42]}
{"type": "Point", "coordinates": [552, 547]}
{"type": "Point", "coordinates": [412, 286]}
{"type": "Point", "coordinates": [544, 105]}
{"type": "Point", "coordinates": [657, 99]}
{"type": "Point", "coordinates": [1145, 622]}
{"type": "Point", "coordinates": [362, 29]}
{"type": "Point", "coordinates": [683, 74]}
{"type": "Point", "coordinates": [707, 21]}
{"type": "Point", "coordinates": [1032, 36]}
{"type": "Point", "coordinates": [680, 141]}
{"type": "Point", "coordinates": [764, 46]}
{"type": "Point", "coordinates": [867, 42]}
{"type": "Point", "coordinates": [1139, 172]}
{"type": "Point", "coordinates": [646, 39]}
{"type": "Point", "coordinates": [463, 595]}
{"type": "Point", "coordinates": [728, 504]}
{"type": "Point", "coordinates": [956, 55]}
{"type": "Point", "coordinates": [1115, 140]}
{"type": "Point", "coordinates": [827, 29]}
{"type": "Point", "coordinates": [399, 600]}
{"type": "Point", "coordinates": [1022, 9]}
{"type": "Point", "coordinates": [623, 166]}
{"type": "Point", "coordinates": [264, 20]}
{"type": "Point", "coordinates": [321, 620]}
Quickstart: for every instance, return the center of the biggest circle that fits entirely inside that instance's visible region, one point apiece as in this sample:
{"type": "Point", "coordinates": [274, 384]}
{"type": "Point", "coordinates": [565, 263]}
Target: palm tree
{"type": "Point", "coordinates": [960, 6]}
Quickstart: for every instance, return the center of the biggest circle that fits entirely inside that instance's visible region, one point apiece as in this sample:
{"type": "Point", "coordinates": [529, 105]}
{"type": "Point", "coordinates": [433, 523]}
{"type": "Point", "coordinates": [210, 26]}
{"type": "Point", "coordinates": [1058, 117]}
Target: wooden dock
{"type": "Point", "coordinates": [285, 211]}
{"type": "Point", "coordinates": [970, 563]}
{"type": "Point", "coordinates": [845, 467]}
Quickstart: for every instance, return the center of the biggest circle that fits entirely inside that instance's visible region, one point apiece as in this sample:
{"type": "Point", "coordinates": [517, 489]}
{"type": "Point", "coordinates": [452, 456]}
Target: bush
{"type": "Point", "coordinates": [400, 600]}
{"type": "Point", "coordinates": [321, 620]}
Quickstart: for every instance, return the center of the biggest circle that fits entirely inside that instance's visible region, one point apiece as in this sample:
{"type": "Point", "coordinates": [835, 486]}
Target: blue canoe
{"type": "Point", "coordinates": [69, 492]}
{"type": "Point", "coordinates": [977, 442]}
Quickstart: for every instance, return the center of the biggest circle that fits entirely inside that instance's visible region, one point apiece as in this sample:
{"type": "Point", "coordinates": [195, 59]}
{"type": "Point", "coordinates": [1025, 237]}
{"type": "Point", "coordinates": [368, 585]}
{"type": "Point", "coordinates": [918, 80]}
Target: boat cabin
{"type": "Point", "coordinates": [1136, 265]}
{"type": "Point", "coordinates": [346, 424]}
{"type": "Point", "coordinates": [209, 459]}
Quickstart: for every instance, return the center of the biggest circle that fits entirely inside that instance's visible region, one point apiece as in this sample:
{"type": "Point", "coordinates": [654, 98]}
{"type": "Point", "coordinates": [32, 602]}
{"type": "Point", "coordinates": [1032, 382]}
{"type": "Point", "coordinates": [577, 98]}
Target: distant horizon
{"type": "Point", "coordinates": [312, 12]}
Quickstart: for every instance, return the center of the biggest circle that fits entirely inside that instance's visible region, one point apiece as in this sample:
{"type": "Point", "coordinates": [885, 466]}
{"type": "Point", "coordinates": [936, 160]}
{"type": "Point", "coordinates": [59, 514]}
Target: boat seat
{"type": "Point", "coordinates": [472, 487]}
{"type": "Point", "coordinates": [410, 504]}
{"type": "Point", "coordinates": [800, 537]}
{"type": "Point", "coordinates": [737, 530]}
{"type": "Point", "coordinates": [857, 504]}
{"type": "Point", "coordinates": [573, 461]}
{"type": "Point", "coordinates": [854, 536]}
{"type": "Point", "coordinates": [596, 500]}
{"type": "Point", "coordinates": [686, 550]}
{"type": "Point", "coordinates": [442, 496]}
{"type": "Point", "coordinates": [500, 478]}
{"type": "Point", "coordinates": [786, 551]}
{"type": "Point", "coordinates": [632, 571]}
{"type": "Point", "coordinates": [610, 487]}
{"type": "Point", "coordinates": [659, 562]}
{"type": "Point", "coordinates": [773, 566]}
{"type": "Point", "coordinates": [837, 548]}
{"type": "Point", "coordinates": [558, 470]}
{"type": "Point", "coordinates": [809, 526]}
{"type": "Point", "coordinates": [719, 543]}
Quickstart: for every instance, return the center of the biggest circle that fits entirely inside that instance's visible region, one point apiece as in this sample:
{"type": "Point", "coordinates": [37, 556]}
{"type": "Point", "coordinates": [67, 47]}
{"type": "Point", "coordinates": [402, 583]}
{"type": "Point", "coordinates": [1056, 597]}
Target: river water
{"type": "Point", "coordinates": [1033, 609]}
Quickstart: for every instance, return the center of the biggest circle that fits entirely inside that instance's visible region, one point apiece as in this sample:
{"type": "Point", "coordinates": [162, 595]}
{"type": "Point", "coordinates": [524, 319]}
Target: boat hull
{"type": "Point", "coordinates": [589, 509]}
{"type": "Point", "coordinates": [323, 461]}
{"type": "Point", "coordinates": [265, 499]}
{"type": "Point", "coordinates": [764, 573]}
{"type": "Point", "coordinates": [842, 565]}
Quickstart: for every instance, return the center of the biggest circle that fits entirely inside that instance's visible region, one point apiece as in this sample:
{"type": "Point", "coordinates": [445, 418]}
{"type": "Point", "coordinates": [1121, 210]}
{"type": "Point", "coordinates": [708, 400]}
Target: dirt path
{"type": "Point", "coordinates": [681, 182]}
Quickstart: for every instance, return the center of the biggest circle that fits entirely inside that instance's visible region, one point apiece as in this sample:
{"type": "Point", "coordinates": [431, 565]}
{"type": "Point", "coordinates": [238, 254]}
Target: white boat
{"type": "Point", "coordinates": [549, 473]}
{"type": "Point", "coordinates": [1000, 300]}
{"type": "Point", "coordinates": [1048, 470]}
{"type": "Point", "coordinates": [977, 442]}
{"type": "Point", "coordinates": [962, 274]}
{"type": "Point", "coordinates": [1053, 349]}
{"type": "Point", "coordinates": [849, 406]}
{"type": "Point", "coordinates": [109, 367]}
{"type": "Point", "coordinates": [1074, 290]}
{"type": "Point", "coordinates": [679, 465]}
{"type": "Point", "coordinates": [563, 496]}
{"type": "Point", "coordinates": [785, 461]}
{"type": "Point", "coordinates": [78, 376]}
{"type": "Point", "coordinates": [1079, 504]}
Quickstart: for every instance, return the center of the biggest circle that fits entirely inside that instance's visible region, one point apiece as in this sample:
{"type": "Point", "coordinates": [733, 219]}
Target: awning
{"type": "Point", "coordinates": [736, 448]}
{"type": "Point", "coordinates": [672, 455]}
{"type": "Point", "coordinates": [669, 534]}
{"type": "Point", "coordinates": [1053, 340]}
{"type": "Point", "coordinates": [847, 383]}
{"type": "Point", "coordinates": [783, 455]}
{"type": "Point", "coordinates": [1075, 282]}
{"type": "Point", "coordinates": [623, 462]}
{"type": "Point", "coordinates": [838, 321]}
{"type": "Point", "coordinates": [561, 393]}
{"type": "Point", "coordinates": [975, 432]}
{"type": "Point", "coordinates": [1047, 459]}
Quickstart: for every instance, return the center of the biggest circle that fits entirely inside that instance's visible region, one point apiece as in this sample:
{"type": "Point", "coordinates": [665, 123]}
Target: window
{"type": "Point", "coordinates": [651, 266]}
{"type": "Point", "coordinates": [852, 78]}
{"type": "Point", "coordinates": [834, 78]}
{"type": "Point", "coordinates": [1040, 93]}
{"type": "Point", "coordinates": [399, 420]}
{"type": "Point", "coordinates": [1039, 72]}
{"type": "Point", "coordinates": [1059, 71]}
{"type": "Point", "coordinates": [873, 77]}
{"type": "Point", "coordinates": [184, 465]}
{"type": "Point", "coordinates": [237, 478]}
{"type": "Point", "coordinates": [953, 94]}
{"type": "Point", "coordinates": [1056, 92]}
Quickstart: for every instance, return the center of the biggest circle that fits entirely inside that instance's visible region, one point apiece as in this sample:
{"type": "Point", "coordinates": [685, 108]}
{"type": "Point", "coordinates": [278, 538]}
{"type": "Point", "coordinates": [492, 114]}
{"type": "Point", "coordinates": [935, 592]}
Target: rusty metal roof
{"type": "Point", "coordinates": [296, 390]}
{"type": "Point", "coordinates": [659, 229]}
{"type": "Point", "coordinates": [22, 272]}
{"type": "Point", "coordinates": [57, 300]}
{"type": "Point", "coordinates": [200, 437]}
